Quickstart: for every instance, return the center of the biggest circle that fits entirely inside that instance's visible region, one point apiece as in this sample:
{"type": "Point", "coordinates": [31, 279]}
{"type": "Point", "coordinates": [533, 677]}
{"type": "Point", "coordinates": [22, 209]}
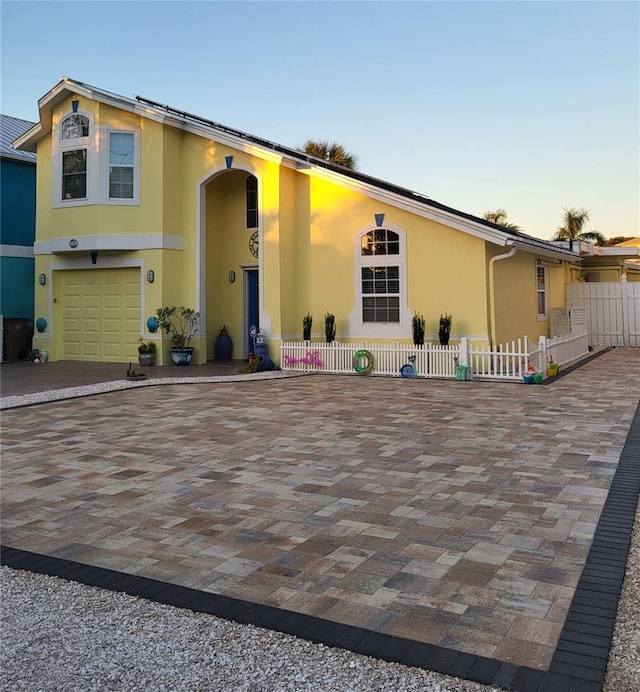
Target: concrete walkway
{"type": "Point", "coordinates": [454, 513]}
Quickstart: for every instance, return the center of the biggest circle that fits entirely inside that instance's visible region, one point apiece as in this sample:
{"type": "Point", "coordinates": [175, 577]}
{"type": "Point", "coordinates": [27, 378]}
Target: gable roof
{"type": "Point", "coordinates": [375, 188]}
{"type": "Point", "coordinates": [10, 129]}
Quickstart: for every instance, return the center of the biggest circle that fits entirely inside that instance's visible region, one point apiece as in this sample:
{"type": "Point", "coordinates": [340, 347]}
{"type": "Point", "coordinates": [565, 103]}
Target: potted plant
{"type": "Point", "coordinates": [146, 352]}
{"type": "Point", "coordinates": [307, 321]}
{"type": "Point", "coordinates": [445, 329]}
{"type": "Point", "coordinates": [223, 346]}
{"type": "Point", "coordinates": [181, 324]}
{"type": "Point", "coordinates": [330, 327]}
{"type": "Point", "coordinates": [417, 327]}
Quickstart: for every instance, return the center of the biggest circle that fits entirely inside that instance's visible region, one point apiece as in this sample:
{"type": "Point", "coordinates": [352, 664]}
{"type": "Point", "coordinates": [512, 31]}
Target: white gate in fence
{"type": "Point", "coordinates": [613, 311]}
{"type": "Point", "coordinates": [506, 362]}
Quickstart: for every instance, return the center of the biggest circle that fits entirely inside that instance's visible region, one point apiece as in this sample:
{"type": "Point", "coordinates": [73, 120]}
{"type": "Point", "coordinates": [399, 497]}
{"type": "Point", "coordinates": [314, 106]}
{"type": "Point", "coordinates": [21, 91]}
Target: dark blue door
{"type": "Point", "coordinates": [252, 302]}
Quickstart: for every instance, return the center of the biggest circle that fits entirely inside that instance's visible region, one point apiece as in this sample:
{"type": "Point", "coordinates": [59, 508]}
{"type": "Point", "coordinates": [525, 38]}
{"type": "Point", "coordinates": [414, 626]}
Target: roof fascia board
{"type": "Point", "coordinates": [67, 88]}
{"type": "Point", "coordinates": [417, 208]}
{"type": "Point", "coordinates": [545, 252]}
{"type": "Point", "coordinates": [28, 141]}
{"type": "Point", "coordinates": [219, 137]}
{"type": "Point", "coordinates": [441, 216]}
{"type": "Point", "coordinates": [629, 251]}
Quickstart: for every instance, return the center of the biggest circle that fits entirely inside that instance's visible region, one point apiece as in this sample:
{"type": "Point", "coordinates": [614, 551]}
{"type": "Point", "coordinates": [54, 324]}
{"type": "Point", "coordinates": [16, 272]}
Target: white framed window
{"type": "Point", "coordinates": [74, 174]}
{"type": "Point", "coordinates": [381, 295]}
{"type": "Point", "coordinates": [541, 290]}
{"type": "Point", "coordinates": [71, 184]}
{"type": "Point", "coordinates": [94, 164]}
{"type": "Point", "coordinates": [121, 165]}
{"type": "Point", "coordinates": [380, 276]}
{"type": "Point", "coordinates": [74, 126]}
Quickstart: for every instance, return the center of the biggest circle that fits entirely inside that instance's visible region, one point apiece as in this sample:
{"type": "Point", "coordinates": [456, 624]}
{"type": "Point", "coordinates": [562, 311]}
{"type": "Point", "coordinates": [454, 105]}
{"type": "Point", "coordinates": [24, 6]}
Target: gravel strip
{"type": "Point", "coordinates": [58, 635]}
{"type": "Point", "coordinates": [63, 636]}
{"type": "Point", "coordinates": [9, 402]}
{"type": "Point", "coordinates": [623, 670]}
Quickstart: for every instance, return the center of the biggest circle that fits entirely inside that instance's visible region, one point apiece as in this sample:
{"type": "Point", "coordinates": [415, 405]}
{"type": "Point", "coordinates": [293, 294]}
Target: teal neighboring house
{"type": "Point", "coordinates": [17, 235]}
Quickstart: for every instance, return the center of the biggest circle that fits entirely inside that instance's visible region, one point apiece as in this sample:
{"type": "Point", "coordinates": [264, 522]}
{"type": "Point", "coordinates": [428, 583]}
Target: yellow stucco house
{"type": "Point", "coordinates": [141, 206]}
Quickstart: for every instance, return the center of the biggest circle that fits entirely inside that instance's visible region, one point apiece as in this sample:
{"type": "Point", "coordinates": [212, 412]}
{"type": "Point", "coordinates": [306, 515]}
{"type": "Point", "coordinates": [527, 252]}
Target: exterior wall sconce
{"type": "Point", "coordinates": [151, 277]}
{"type": "Point", "coordinates": [42, 279]}
{"type": "Point", "coordinates": [232, 276]}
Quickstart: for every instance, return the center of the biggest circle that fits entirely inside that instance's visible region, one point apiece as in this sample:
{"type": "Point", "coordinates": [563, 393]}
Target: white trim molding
{"type": "Point", "coordinates": [17, 251]}
{"type": "Point", "coordinates": [121, 243]}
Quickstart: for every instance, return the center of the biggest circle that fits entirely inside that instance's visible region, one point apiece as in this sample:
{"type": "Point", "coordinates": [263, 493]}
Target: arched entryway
{"type": "Point", "coordinates": [229, 276]}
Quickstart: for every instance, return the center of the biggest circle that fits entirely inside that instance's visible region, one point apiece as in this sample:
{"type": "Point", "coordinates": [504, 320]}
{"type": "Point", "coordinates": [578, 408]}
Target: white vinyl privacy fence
{"type": "Point", "coordinates": [612, 311]}
{"type": "Point", "coordinates": [506, 362]}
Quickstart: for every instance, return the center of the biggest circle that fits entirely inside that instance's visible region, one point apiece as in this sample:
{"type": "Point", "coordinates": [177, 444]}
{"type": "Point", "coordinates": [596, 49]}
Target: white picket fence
{"type": "Point", "coordinates": [506, 362]}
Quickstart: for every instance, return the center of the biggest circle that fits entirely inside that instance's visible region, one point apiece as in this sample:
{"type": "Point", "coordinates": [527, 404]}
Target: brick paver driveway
{"type": "Point", "coordinates": [454, 513]}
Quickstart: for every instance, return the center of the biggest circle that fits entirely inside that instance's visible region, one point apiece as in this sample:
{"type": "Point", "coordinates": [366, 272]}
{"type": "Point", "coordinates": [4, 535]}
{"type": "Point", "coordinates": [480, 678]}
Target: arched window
{"type": "Point", "coordinates": [74, 126]}
{"type": "Point", "coordinates": [380, 284]}
{"type": "Point", "coordinates": [252, 201]}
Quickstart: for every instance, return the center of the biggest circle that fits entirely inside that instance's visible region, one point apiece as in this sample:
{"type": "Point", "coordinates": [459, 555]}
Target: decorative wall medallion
{"type": "Point", "coordinates": [254, 244]}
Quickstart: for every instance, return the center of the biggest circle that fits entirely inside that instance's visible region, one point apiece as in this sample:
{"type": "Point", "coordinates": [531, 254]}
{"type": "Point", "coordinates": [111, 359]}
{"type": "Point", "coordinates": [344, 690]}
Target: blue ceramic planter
{"type": "Point", "coordinates": [223, 347]}
{"type": "Point", "coordinates": [182, 356]}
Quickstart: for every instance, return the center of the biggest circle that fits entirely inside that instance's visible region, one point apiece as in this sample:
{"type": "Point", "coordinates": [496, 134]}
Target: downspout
{"type": "Point", "coordinates": [492, 297]}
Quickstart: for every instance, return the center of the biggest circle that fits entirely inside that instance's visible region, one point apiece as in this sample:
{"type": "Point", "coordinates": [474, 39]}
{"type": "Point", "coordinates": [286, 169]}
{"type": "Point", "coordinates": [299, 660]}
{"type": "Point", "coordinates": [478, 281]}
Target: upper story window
{"type": "Point", "coordinates": [121, 165]}
{"type": "Point", "coordinates": [252, 201]}
{"type": "Point", "coordinates": [74, 126]}
{"type": "Point", "coordinates": [541, 290]}
{"type": "Point", "coordinates": [74, 133]}
{"type": "Point", "coordinates": [94, 164]}
{"type": "Point", "coordinates": [74, 174]}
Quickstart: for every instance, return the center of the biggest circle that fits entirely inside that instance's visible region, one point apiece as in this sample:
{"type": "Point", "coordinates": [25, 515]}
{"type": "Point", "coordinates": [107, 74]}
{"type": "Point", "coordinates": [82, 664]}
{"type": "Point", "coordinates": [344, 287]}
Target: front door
{"type": "Point", "coordinates": [252, 308]}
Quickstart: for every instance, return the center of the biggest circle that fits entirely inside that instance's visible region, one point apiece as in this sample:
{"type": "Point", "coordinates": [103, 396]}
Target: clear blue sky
{"type": "Point", "coordinates": [526, 106]}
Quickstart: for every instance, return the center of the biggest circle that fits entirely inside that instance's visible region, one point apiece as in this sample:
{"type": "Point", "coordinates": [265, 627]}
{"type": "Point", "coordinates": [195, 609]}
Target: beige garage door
{"type": "Point", "coordinates": [100, 314]}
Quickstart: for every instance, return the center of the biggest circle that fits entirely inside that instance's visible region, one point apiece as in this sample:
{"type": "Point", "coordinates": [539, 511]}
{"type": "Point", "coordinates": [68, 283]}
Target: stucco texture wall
{"type": "Point", "coordinates": [444, 268]}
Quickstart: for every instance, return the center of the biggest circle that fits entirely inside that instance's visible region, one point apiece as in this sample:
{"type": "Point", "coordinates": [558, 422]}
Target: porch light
{"type": "Point", "coordinates": [151, 277]}
{"type": "Point", "coordinates": [42, 279]}
{"type": "Point", "coordinates": [232, 276]}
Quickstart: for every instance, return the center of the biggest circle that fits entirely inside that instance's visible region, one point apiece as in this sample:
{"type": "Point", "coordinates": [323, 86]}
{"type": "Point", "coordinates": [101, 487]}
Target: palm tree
{"type": "Point", "coordinates": [330, 151]}
{"type": "Point", "coordinates": [499, 216]}
{"type": "Point", "coordinates": [574, 221]}
{"type": "Point", "coordinates": [616, 240]}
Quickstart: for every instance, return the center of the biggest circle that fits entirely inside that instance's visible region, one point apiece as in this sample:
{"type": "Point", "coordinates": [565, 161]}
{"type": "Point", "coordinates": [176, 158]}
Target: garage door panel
{"type": "Point", "coordinates": [91, 302]}
{"type": "Point", "coordinates": [112, 302]}
{"type": "Point", "coordinates": [73, 302]}
{"type": "Point", "coordinates": [91, 325]}
{"type": "Point", "coordinates": [96, 324]}
{"type": "Point", "coordinates": [91, 350]}
{"type": "Point", "coordinates": [112, 326]}
{"type": "Point", "coordinates": [71, 348]}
